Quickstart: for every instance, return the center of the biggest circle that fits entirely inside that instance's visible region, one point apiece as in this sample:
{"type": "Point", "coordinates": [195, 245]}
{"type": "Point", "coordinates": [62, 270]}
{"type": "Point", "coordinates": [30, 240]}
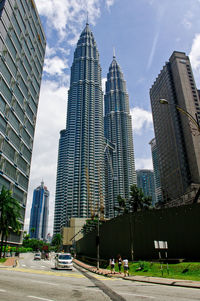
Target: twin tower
{"type": "Point", "coordinates": [96, 156]}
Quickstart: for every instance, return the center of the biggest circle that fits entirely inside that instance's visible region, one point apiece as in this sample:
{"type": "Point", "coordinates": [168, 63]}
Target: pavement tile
{"type": "Point", "coordinates": [10, 262]}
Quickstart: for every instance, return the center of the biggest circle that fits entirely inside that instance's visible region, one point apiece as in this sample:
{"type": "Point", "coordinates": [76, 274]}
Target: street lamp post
{"type": "Point", "coordinates": [193, 120]}
{"type": "Point", "coordinates": [97, 238]}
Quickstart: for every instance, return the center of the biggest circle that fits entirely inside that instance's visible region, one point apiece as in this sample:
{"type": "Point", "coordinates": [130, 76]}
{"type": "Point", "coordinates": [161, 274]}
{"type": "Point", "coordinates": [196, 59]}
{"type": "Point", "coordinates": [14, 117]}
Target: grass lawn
{"type": "Point", "coordinates": [183, 270]}
{"type": "Point", "coordinates": [2, 260]}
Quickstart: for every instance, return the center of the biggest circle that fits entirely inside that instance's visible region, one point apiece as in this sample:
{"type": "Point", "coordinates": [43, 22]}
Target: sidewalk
{"type": "Point", "coordinates": [155, 280]}
{"type": "Point", "coordinates": [10, 262]}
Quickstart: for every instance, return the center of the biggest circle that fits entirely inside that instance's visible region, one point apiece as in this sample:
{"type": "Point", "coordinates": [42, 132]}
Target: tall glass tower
{"type": "Point", "coordinates": [39, 213]}
{"type": "Point", "coordinates": [83, 169]}
{"type": "Point", "coordinates": [22, 50]}
{"type": "Point", "coordinates": [119, 162]}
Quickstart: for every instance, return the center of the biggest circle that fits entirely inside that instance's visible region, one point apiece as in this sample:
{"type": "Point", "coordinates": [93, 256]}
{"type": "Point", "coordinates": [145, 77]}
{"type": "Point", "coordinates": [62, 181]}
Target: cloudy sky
{"type": "Point", "coordinates": [144, 34]}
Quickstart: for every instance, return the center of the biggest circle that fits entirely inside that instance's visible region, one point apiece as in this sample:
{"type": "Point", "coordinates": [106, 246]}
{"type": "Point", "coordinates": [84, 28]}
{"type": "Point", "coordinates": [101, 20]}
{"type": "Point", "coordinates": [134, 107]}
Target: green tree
{"type": "Point", "coordinates": [10, 214]}
{"type": "Point", "coordinates": [138, 201]}
{"type": "Point", "coordinates": [32, 231]}
{"type": "Point", "coordinates": [33, 243]}
{"type": "Point", "coordinates": [57, 241]}
{"type": "Point", "coordinates": [122, 208]}
{"type": "Point", "coordinates": [90, 225]}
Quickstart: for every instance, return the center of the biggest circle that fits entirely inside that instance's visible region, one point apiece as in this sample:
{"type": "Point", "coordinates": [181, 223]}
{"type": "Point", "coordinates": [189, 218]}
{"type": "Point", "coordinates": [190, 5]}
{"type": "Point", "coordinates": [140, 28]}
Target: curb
{"type": "Point", "coordinates": [172, 282]}
{"type": "Point", "coordinates": [16, 263]}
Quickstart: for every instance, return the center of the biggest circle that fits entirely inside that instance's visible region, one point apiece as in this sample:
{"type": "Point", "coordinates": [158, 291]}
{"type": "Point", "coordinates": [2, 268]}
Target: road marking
{"type": "Point", "coordinates": [43, 266]}
{"type": "Point", "coordinates": [2, 291]}
{"type": "Point", "coordinates": [136, 295]}
{"type": "Point", "coordinates": [24, 265]}
{"type": "Point", "coordinates": [46, 273]}
{"type": "Point", "coordinates": [38, 298]}
{"type": "Point", "coordinates": [44, 282]}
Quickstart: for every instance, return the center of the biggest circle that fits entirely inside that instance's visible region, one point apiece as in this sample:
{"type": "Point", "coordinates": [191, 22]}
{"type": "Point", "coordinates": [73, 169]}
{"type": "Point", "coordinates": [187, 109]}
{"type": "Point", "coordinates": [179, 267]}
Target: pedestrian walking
{"type": "Point", "coordinates": [119, 263]}
{"type": "Point", "coordinates": [125, 264]}
{"type": "Point", "coordinates": [112, 264]}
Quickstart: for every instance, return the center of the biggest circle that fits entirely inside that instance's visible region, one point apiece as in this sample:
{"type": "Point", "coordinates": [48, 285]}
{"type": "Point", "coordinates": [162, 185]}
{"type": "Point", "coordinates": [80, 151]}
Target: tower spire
{"type": "Point", "coordinates": [114, 53]}
{"type": "Point", "coordinates": [87, 23]}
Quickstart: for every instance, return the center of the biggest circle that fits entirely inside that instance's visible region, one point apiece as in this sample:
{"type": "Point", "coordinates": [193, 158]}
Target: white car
{"type": "Point", "coordinates": [37, 256]}
{"type": "Point", "coordinates": [63, 261]}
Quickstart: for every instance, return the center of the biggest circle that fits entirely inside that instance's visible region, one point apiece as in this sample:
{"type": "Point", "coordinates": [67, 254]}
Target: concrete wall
{"type": "Point", "coordinates": [179, 226]}
{"type": "Point", "coordinates": [73, 232]}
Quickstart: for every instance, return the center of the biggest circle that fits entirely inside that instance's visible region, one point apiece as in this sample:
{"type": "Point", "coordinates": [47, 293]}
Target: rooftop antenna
{"type": "Point", "coordinates": [87, 19]}
{"type": "Point", "coordinates": [114, 53]}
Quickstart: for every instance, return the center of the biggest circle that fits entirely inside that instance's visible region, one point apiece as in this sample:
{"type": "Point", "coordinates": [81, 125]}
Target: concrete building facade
{"type": "Point", "coordinates": [176, 136]}
{"type": "Point", "coordinates": [22, 50]}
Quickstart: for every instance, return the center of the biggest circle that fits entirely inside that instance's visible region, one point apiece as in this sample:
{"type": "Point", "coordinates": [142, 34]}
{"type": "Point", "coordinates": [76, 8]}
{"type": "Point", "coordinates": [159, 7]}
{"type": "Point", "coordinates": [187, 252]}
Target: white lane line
{"type": "Point", "coordinates": [136, 295]}
{"type": "Point", "coordinates": [2, 291]}
{"type": "Point", "coordinates": [43, 282]}
{"type": "Point", "coordinates": [23, 265]}
{"type": "Point", "coordinates": [42, 266]}
{"type": "Point", "coordinates": [38, 298]}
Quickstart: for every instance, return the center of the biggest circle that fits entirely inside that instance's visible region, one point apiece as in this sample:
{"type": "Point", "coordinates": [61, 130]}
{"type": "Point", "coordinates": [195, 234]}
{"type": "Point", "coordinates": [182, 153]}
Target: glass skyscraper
{"type": "Point", "coordinates": [119, 159]}
{"type": "Point", "coordinates": [145, 181]}
{"type": "Point", "coordinates": [82, 159]}
{"type": "Point", "coordinates": [22, 49]}
{"type": "Point", "coordinates": [156, 170]}
{"type": "Point", "coordinates": [39, 213]}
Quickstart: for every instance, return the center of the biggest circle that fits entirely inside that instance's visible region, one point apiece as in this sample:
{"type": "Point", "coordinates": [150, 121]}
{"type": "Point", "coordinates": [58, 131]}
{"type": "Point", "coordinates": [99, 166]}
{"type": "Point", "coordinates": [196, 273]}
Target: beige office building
{"type": "Point", "coordinates": [177, 137]}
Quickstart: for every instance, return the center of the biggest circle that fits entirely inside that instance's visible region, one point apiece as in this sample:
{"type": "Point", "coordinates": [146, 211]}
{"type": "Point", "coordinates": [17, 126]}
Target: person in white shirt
{"type": "Point", "coordinates": [125, 265]}
{"type": "Point", "coordinates": [112, 264]}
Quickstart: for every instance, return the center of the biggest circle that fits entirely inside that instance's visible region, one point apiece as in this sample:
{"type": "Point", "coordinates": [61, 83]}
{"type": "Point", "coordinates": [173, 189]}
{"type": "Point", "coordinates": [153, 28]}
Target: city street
{"type": "Point", "coordinates": [38, 280]}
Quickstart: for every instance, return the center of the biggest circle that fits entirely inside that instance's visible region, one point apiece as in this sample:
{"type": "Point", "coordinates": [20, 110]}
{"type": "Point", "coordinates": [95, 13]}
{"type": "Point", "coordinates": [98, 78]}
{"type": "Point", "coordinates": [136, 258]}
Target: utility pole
{"type": "Point", "coordinates": [97, 240]}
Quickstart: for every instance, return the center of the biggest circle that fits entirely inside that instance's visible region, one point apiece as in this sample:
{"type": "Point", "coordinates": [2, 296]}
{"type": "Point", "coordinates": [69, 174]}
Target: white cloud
{"type": "Point", "coordinates": [104, 84]}
{"type": "Point", "coordinates": [195, 58]}
{"type": "Point", "coordinates": [55, 65]}
{"type": "Point", "coordinates": [50, 51]}
{"type": "Point", "coordinates": [63, 14]}
{"type": "Point", "coordinates": [50, 120]}
{"type": "Point", "coordinates": [188, 19]}
{"type": "Point", "coordinates": [151, 56]}
{"type": "Point", "coordinates": [109, 3]}
{"type": "Point", "coordinates": [141, 119]}
{"type": "Point", "coordinates": [143, 163]}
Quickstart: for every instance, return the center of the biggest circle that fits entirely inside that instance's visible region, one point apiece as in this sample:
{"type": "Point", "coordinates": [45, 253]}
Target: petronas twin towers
{"type": "Point", "coordinates": [96, 157]}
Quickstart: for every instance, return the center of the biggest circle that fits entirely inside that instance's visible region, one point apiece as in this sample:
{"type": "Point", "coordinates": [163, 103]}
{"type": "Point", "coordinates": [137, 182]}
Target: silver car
{"type": "Point", "coordinates": [63, 261]}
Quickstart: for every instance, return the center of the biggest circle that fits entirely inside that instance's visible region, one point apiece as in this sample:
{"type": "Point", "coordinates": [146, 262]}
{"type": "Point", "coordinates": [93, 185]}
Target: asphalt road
{"type": "Point", "coordinates": [38, 280]}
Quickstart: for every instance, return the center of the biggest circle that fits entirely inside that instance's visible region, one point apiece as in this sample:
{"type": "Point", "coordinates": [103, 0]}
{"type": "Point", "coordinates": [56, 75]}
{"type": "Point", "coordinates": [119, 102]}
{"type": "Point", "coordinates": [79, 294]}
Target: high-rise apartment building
{"type": "Point", "coordinates": [119, 163]}
{"type": "Point", "coordinates": [145, 181]}
{"type": "Point", "coordinates": [83, 171]}
{"type": "Point", "coordinates": [176, 137]}
{"type": "Point", "coordinates": [156, 171]}
{"type": "Point", "coordinates": [22, 49]}
{"type": "Point", "coordinates": [38, 227]}
{"type": "Point", "coordinates": [60, 205]}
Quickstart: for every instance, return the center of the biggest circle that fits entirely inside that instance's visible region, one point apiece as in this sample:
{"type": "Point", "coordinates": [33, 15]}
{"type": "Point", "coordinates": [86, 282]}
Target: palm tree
{"type": "Point", "coordinates": [122, 205]}
{"type": "Point", "coordinates": [9, 216]}
{"type": "Point", "coordinates": [138, 201]}
{"type": "Point", "coordinates": [57, 241]}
